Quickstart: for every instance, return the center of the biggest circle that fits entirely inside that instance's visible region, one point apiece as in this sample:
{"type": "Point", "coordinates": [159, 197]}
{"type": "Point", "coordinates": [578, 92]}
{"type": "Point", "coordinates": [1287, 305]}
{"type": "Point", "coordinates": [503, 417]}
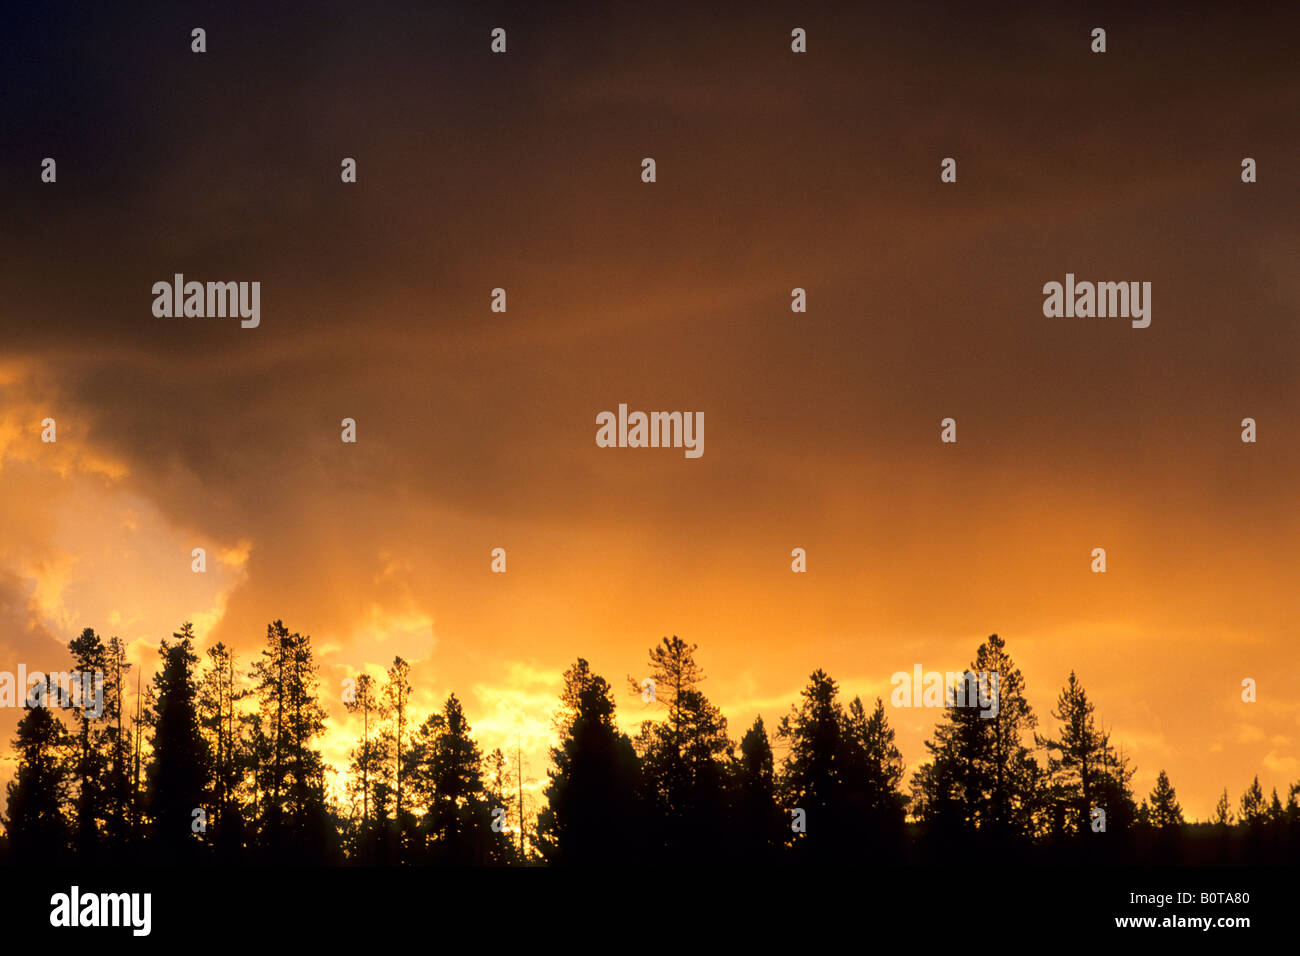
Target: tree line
{"type": "Point", "coordinates": [222, 763]}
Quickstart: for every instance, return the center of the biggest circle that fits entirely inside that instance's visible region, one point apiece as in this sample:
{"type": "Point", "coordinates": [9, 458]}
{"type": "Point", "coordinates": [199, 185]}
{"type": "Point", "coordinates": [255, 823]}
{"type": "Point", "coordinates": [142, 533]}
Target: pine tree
{"type": "Point", "coordinates": [1144, 815]}
{"type": "Point", "coordinates": [872, 769]}
{"type": "Point", "coordinates": [811, 776]}
{"type": "Point", "coordinates": [37, 825]}
{"type": "Point", "coordinates": [948, 792]}
{"type": "Point", "coordinates": [499, 795]}
{"type": "Point", "coordinates": [843, 770]}
{"type": "Point", "coordinates": [295, 822]}
{"type": "Point", "coordinates": [1083, 769]}
{"type": "Point", "coordinates": [421, 784]}
{"type": "Point", "coordinates": [118, 794]}
{"type": "Point", "coordinates": [178, 769]}
{"type": "Point", "coordinates": [759, 827]}
{"type": "Point", "coordinates": [981, 775]}
{"type": "Point", "coordinates": [1253, 812]}
{"type": "Point", "coordinates": [1222, 812]}
{"type": "Point", "coordinates": [684, 755]}
{"type": "Point", "coordinates": [90, 768]}
{"type": "Point", "coordinates": [218, 693]}
{"type": "Point", "coordinates": [1010, 767]}
{"type": "Point", "coordinates": [458, 820]}
{"type": "Point", "coordinates": [1165, 813]}
{"type": "Point", "coordinates": [1275, 815]}
{"type": "Point", "coordinates": [369, 757]}
{"type": "Point", "coordinates": [139, 727]}
{"type": "Point", "coordinates": [394, 704]}
{"type": "Point", "coordinates": [523, 812]}
{"type": "Point", "coordinates": [593, 814]}
{"type": "Point", "coordinates": [1115, 789]}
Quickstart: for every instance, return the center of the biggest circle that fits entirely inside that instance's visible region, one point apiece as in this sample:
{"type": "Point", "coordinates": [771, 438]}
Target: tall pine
{"type": "Point", "coordinates": [177, 771]}
{"type": "Point", "coordinates": [593, 812]}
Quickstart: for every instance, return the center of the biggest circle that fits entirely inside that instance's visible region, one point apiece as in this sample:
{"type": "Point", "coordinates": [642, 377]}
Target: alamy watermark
{"type": "Point", "coordinates": [77, 909]}
{"type": "Point", "coordinates": [651, 430]}
{"type": "Point", "coordinates": [80, 690]}
{"type": "Point", "coordinates": [211, 300]}
{"type": "Point", "coordinates": [1124, 300]}
{"type": "Point", "coordinates": [946, 689]}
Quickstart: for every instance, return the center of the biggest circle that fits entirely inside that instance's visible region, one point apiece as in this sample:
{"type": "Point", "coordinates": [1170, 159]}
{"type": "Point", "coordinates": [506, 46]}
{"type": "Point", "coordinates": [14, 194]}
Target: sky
{"type": "Point", "coordinates": [476, 429]}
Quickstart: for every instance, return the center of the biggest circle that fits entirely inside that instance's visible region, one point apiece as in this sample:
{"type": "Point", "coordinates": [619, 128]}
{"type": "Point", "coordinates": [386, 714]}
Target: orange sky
{"type": "Point", "coordinates": [476, 430]}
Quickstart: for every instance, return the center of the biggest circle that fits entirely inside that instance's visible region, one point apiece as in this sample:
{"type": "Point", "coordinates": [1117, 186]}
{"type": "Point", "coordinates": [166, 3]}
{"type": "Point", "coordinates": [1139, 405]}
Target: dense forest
{"type": "Point", "coordinates": [220, 763]}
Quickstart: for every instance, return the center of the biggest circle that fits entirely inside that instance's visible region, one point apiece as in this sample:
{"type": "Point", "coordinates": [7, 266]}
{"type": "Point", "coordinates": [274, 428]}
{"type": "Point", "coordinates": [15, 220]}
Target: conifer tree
{"type": "Point", "coordinates": [981, 775]}
{"type": "Point", "coordinates": [295, 823]}
{"type": "Point", "coordinates": [684, 756]}
{"type": "Point", "coordinates": [1275, 815]}
{"type": "Point", "coordinates": [593, 814]}
{"type": "Point", "coordinates": [759, 827]}
{"type": "Point", "coordinates": [872, 770]}
{"type": "Point", "coordinates": [1252, 805]}
{"type": "Point", "coordinates": [458, 822]}
{"type": "Point", "coordinates": [1222, 811]}
{"type": "Point", "coordinates": [1165, 812]}
{"type": "Point", "coordinates": [178, 769]}
{"type": "Point", "coordinates": [1083, 769]}
{"type": "Point", "coordinates": [38, 797]}
{"type": "Point", "coordinates": [394, 704]}
{"type": "Point", "coordinates": [1010, 769]}
{"type": "Point", "coordinates": [369, 757]}
{"type": "Point", "coordinates": [218, 693]}
{"type": "Point", "coordinates": [90, 765]}
{"type": "Point", "coordinates": [843, 770]}
{"type": "Point", "coordinates": [811, 779]}
{"type": "Point", "coordinates": [500, 795]}
{"type": "Point", "coordinates": [118, 795]}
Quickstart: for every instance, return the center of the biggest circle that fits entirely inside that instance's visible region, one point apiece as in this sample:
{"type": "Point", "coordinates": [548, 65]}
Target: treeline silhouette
{"type": "Point", "coordinates": [220, 764]}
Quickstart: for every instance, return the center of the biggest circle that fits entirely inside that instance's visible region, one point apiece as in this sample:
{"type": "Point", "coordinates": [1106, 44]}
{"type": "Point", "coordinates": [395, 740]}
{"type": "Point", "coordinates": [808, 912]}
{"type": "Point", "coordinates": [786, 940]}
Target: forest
{"type": "Point", "coordinates": [220, 763]}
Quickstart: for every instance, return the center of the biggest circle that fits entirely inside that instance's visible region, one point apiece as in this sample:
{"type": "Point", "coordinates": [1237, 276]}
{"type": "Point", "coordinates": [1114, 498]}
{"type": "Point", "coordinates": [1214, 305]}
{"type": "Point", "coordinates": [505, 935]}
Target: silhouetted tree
{"type": "Point", "coordinates": [1275, 814]}
{"type": "Point", "coordinates": [37, 824]}
{"type": "Point", "coordinates": [394, 707]}
{"type": "Point", "coordinates": [684, 756]}
{"type": "Point", "coordinates": [593, 814]}
{"type": "Point", "coordinates": [458, 821]}
{"type": "Point", "coordinates": [1253, 813]}
{"type": "Point", "coordinates": [90, 767]}
{"type": "Point", "coordinates": [871, 771]}
{"type": "Point", "coordinates": [511, 781]}
{"type": "Point", "coordinates": [498, 794]}
{"type": "Point", "coordinates": [178, 768]}
{"type": "Point", "coordinates": [1163, 803]}
{"type": "Point", "coordinates": [1083, 770]}
{"type": "Point", "coordinates": [118, 795]}
{"type": "Point", "coordinates": [1010, 769]}
{"type": "Point", "coordinates": [218, 693]}
{"type": "Point", "coordinates": [982, 777]}
{"type": "Point", "coordinates": [759, 828]}
{"type": "Point", "coordinates": [369, 759]}
{"type": "Point", "coordinates": [810, 780]}
{"type": "Point", "coordinates": [949, 793]}
{"type": "Point", "coordinates": [843, 771]}
{"type": "Point", "coordinates": [295, 823]}
{"type": "Point", "coordinates": [1222, 812]}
